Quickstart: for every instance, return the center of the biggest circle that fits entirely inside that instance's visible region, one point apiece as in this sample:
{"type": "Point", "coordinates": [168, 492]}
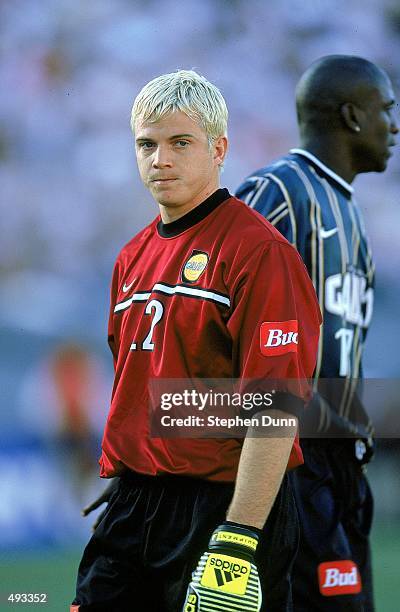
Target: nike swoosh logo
{"type": "Point", "coordinates": [126, 287]}
{"type": "Point", "coordinates": [327, 233]}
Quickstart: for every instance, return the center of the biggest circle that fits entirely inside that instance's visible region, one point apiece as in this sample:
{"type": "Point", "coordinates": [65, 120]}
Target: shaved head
{"type": "Point", "coordinates": [346, 114]}
{"type": "Point", "coordinates": [329, 83]}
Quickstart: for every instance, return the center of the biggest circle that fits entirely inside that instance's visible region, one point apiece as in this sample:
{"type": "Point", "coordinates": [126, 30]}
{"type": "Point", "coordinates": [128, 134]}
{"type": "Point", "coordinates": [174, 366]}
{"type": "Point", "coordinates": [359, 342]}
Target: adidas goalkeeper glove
{"type": "Point", "coordinates": [226, 578]}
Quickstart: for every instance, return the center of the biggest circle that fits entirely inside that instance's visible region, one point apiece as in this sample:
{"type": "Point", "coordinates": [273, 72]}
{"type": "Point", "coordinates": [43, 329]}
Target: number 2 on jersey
{"type": "Point", "coordinates": [158, 308]}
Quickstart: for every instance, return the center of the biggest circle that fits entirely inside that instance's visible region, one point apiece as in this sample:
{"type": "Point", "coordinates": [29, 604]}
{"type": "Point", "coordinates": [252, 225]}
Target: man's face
{"type": "Point", "coordinates": [176, 162]}
{"type": "Point", "coordinates": [379, 128]}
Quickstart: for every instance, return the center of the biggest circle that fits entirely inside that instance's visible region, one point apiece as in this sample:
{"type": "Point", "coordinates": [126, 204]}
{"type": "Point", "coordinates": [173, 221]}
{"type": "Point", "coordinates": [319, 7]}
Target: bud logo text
{"type": "Point", "coordinates": [339, 578]}
{"type": "Point", "coordinates": [279, 337]}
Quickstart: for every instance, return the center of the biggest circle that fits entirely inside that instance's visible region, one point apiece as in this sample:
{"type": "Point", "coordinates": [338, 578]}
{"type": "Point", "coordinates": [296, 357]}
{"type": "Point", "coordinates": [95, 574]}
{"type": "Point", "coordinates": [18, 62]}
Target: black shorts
{"type": "Point", "coordinates": [335, 509]}
{"type": "Point", "coordinates": [155, 529]}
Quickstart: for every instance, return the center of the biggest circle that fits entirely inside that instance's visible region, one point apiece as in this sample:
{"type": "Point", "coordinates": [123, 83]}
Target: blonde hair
{"type": "Point", "coordinates": [186, 91]}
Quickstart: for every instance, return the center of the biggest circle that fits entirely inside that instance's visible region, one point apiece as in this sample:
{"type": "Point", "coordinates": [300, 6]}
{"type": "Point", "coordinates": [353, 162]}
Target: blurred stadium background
{"type": "Point", "coordinates": [71, 198]}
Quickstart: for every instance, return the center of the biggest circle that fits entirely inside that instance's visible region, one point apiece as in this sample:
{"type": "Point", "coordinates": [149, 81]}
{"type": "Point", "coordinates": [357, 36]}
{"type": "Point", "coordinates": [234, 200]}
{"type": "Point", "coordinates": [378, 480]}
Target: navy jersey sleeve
{"type": "Point", "coordinates": [269, 196]}
{"type": "Point", "coordinates": [298, 202]}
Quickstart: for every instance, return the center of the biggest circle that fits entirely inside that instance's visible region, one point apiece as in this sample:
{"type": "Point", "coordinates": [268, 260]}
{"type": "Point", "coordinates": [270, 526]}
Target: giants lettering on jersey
{"type": "Point", "coordinates": [339, 578]}
{"type": "Point", "coordinates": [279, 337]}
{"type": "Point", "coordinates": [347, 295]}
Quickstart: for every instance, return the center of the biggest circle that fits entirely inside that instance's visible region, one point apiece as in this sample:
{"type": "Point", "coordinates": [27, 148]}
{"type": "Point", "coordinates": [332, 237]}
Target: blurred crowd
{"type": "Point", "coordinates": [71, 196]}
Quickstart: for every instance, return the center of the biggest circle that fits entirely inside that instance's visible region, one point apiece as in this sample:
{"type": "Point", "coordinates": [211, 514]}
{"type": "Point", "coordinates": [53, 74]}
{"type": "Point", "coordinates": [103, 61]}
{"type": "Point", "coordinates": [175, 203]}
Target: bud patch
{"type": "Point", "coordinates": [339, 578]}
{"type": "Point", "coordinates": [279, 337]}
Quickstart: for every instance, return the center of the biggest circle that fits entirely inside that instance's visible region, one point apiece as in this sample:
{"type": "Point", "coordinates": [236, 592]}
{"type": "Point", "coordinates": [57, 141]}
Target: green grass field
{"type": "Point", "coordinates": [54, 574]}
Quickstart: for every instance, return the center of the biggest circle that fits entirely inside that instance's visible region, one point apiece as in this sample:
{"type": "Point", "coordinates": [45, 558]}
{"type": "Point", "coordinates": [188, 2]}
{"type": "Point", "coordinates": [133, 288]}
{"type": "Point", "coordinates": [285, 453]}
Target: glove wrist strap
{"type": "Point", "coordinates": [233, 535]}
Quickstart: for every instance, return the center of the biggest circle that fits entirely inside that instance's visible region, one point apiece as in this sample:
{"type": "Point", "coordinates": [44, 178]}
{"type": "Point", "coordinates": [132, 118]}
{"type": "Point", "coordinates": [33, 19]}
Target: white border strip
{"type": "Point", "coordinates": [191, 291]}
{"type": "Point", "coordinates": [136, 297]}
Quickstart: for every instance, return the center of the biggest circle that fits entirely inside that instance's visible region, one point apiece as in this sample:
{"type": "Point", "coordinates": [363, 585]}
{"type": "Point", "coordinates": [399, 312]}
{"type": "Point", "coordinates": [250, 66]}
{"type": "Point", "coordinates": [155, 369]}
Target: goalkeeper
{"type": "Point", "coordinates": [208, 290]}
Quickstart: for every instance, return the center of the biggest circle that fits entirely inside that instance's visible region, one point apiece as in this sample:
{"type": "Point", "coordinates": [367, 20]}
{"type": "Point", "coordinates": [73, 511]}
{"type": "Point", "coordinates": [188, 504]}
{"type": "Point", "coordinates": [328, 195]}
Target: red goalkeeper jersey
{"type": "Point", "coordinates": [200, 298]}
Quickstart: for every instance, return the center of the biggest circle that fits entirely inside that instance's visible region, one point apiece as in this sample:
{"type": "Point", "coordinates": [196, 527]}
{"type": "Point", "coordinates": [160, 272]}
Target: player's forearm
{"type": "Point", "coordinates": [263, 462]}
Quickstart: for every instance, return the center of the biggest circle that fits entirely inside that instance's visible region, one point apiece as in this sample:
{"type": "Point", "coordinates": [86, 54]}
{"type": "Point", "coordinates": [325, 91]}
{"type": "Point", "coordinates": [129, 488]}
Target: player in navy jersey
{"type": "Point", "coordinates": [208, 290]}
{"type": "Point", "coordinates": [345, 115]}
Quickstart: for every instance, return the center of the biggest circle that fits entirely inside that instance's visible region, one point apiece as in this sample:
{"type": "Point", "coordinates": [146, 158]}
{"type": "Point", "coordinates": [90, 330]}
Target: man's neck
{"type": "Point", "coordinates": [173, 213]}
{"type": "Point", "coordinates": [333, 154]}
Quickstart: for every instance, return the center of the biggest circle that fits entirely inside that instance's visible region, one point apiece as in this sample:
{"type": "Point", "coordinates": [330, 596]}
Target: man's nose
{"type": "Point", "coordinates": [162, 158]}
{"type": "Point", "coordinates": [394, 127]}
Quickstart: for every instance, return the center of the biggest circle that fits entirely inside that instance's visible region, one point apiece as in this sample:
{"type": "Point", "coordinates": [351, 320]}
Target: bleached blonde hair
{"type": "Point", "coordinates": [186, 91]}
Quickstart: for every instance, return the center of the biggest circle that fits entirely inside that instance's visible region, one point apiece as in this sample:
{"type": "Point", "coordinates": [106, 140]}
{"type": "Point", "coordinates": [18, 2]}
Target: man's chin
{"type": "Point", "coordinates": [385, 160]}
{"type": "Point", "coordinates": [383, 165]}
{"type": "Point", "coordinates": [379, 166]}
{"type": "Point", "coordinates": [164, 197]}
{"type": "Point", "coordinates": [164, 201]}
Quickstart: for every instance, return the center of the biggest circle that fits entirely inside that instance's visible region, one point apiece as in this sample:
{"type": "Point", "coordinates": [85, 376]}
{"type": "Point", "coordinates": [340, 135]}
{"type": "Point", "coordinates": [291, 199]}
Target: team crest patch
{"type": "Point", "coordinates": [194, 267]}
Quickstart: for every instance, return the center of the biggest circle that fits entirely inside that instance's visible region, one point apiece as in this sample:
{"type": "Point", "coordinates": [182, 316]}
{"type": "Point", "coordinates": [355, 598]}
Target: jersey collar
{"type": "Point", "coordinates": [200, 212]}
{"type": "Point", "coordinates": [324, 168]}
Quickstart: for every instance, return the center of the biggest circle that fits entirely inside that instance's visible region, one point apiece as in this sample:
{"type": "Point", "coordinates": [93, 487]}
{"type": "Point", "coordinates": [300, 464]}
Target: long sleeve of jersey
{"type": "Point", "coordinates": [276, 318]}
{"type": "Point", "coordinates": [112, 340]}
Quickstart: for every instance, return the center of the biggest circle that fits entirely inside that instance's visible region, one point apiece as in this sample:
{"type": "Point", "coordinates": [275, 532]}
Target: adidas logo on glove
{"type": "Point", "coordinates": [226, 576]}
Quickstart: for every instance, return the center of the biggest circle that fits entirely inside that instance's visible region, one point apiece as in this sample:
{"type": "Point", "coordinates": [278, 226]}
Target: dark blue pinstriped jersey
{"type": "Point", "coordinates": [315, 210]}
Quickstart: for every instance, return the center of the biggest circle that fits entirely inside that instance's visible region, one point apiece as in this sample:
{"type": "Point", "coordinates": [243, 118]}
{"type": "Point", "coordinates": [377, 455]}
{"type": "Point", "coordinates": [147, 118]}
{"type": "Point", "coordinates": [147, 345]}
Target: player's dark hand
{"type": "Point", "coordinates": [226, 577]}
{"type": "Point", "coordinates": [102, 499]}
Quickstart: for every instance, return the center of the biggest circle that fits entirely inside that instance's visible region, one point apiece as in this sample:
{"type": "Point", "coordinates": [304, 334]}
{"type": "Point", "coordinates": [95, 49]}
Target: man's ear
{"type": "Point", "coordinates": [352, 116]}
{"type": "Point", "coordinates": [220, 148]}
